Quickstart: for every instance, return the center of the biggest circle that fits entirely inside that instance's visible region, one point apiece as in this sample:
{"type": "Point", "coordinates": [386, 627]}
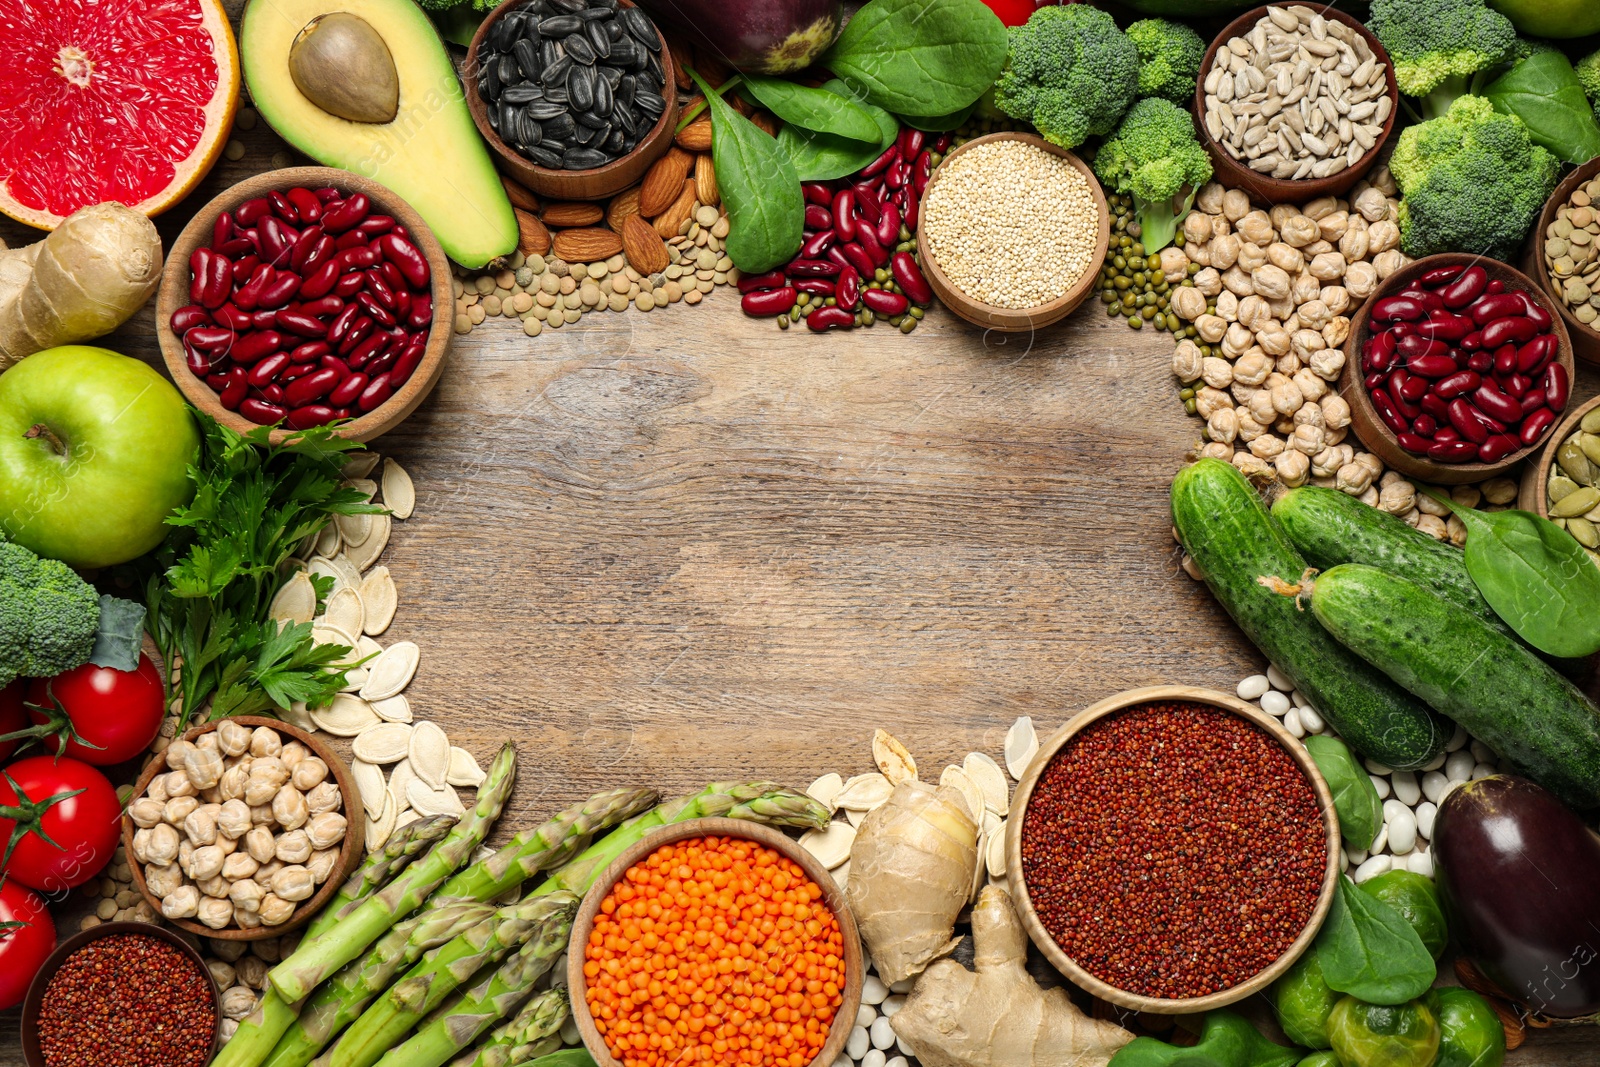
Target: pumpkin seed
{"type": "Point", "coordinates": [354, 528]}
{"type": "Point", "coordinates": [841, 874]}
{"type": "Point", "coordinates": [995, 855]}
{"type": "Point", "coordinates": [379, 829]}
{"type": "Point", "coordinates": [855, 817]}
{"type": "Point", "coordinates": [343, 611]}
{"type": "Point", "coordinates": [328, 540]}
{"type": "Point", "coordinates": [983, 770]}
{"type": "Point", "coordinates": [297, 715]}
{"type": "Point", "coordinates": [978, 870]}
{"type": "Point", "coordinates": [405, 818]}
{"type": "Point", "coordinates": [864, 792]}
{"type": "Point", "coordinates": [427, 801]}
{"type": "Point", "coordinates": [892, 758]}
{"type": "Point", "coordinates": [365, 486]}
{"type": "Point", "coordinates": [385, 743]}
{"type": "Point", "coordinates": [1022, 744]}
{"type": "Point", "coordinates": [323, 567]}
{"type": "Point", "coordinates": [401, 777]}
{"type": "Point", "coordinates": [392, 671]}
{"type": "Point", "coordinates": [393, 709]}
{"type": "Point", "coordinates": [826, 790]}
{"type": "Point", "coordinates": [464, 772]}
{"type": "Point", "coordinates": [379, 598]}
{"type": "Point", "coordinates": [322, 634]}
{"type": "Point", "coordinates": [296, 601]}
{"type": "Point", "coordinates": [367, 648]}
{"type": "Point", "coordinates": [399, 495]}
{"type": "Point", "coordinates": [360, 465]}
{"type": "Point", "coordinates": [354, 679]}
{"type": "Point", "coordinates": [367, 552]}
{"type": "Point", "coordinates": [991, 822]}
{"type": "Point", "coordinates": [369, 783]}
{"type": "Point", "coordinates": [831, 845]}
{"type": "Point", "coordinates": [429, 752]}
{"type": "Point", "coordinates": [345, 716]}
{"type": "Point", "coordinates": [957, 779]}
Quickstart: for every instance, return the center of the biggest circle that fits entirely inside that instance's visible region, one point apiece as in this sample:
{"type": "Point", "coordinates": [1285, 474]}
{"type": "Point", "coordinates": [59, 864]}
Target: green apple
{"type": "Point", "coordinates": [1551, 18]}
{"type": "Point", "coordinates": [94, 454]}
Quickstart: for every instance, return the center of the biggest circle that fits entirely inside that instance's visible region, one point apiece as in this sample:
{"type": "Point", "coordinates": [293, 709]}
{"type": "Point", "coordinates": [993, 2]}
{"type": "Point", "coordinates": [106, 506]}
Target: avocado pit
{"type": "Point", "coordinates": [341, 64]}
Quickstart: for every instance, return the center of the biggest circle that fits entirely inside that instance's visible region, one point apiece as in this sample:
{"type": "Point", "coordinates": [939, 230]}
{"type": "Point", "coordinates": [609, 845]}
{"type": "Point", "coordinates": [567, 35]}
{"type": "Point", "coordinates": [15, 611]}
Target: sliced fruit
{"type": "Point", "coordinates": [430, 153]}
{"type": "Point", "coordinates": [115, 100]}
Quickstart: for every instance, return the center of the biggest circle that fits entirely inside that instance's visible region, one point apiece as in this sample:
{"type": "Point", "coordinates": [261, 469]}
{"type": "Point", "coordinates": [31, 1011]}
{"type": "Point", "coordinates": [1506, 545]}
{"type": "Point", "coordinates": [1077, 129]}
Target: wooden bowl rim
{"type": "Point", "coordinates": [1532, 493]}
{"type": "Point", "coordinates": [349, 853]}
{"type": "Point", "coordinates": [844, 1018]}
{"type": "Point", "coordinates": [1233, 174]}
{"type": "Point", "coordinates": [600, 175]}
{"type": "Point", "coordinates": [1581, 175]}
{"type": "Point", "coordinates": [1121, 702]}
{"type": "Point", "coordinates": [1011, 320]}
{"type": "Point", "coordinates": [33, 1003]}
{"type": "Point", "coordinates": [174, 294]}
{"type": "Point", "coordinates": [1363, 414]}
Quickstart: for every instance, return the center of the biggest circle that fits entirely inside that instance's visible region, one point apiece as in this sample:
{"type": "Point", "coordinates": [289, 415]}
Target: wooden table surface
{"type": "Point", "coordinates": [684, 546]}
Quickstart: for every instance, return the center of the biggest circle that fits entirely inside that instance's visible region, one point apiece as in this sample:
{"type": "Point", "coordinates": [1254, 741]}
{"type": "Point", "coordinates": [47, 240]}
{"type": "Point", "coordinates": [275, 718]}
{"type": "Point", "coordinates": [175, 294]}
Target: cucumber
{"type": "Point", "coordinates": [1330, 528]}
{"type": "Point", "coordinates": [1495, 688]}
{"type": "Point", "coordinates": [1234, 541]}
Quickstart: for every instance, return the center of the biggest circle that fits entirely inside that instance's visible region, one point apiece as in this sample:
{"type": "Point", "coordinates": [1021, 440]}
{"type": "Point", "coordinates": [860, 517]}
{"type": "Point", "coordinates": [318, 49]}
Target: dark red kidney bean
{"type": "Point", "coordinates": [373, 225]}
{"type": "Point", "coordinates": [362, 354]}
{"type": "Point", "coordinates": [321, 252]}
{"type": "Point", "coordinates": [199, 362]}
{"type": "Point", "coordinates": [817, 193]}
{"type": "Point", "coordinates": [1513, 328]}
{"type": "Point", "coordinates": [216, 279]}
{"type": "Point", "coordinates": [1505, 359]}
{"type": "Point", "coordinates": [1532, 400]}
{"type": "Point", "coordinates": [320, 282]}
{"type": "Point", "coordinates": [1391, 416]}
{"type": "Point", "coordinates": [380, 290]}
{"type": "Point", "coordinates": [817, 244]}
{"type": "Point", "coordinates": [348, 391]}
{"type": "Point", "coordinates": [1535, 311]}
{"type": "Point", "coordinates": [1466, 288]}
{"type": "Point", "coordinates": [1534, 426]}
{"type": "Point", "coordinates": [1439, 275]}
{"type": "Point", "coordinates": [420, 316]}
{"type": "Point", "coordinates": [911, 142]}
{"type": "Point", "coordinates": [773, 279]}
{"type": "Point", "coordinates": [314, 386]}
{"type": "Point", "coordinates": [381, 314]}
{"type": "Point", "coordinates": [283, 208]}
{"type": "Point", "coordinates": [867, 238]}
{"type": "Point", "coordinates": [348, 214]}
{"type": "Point", "coordinates": [922, 172]}
{"type": "Point", "coordinates": [298, 322]}
{"type": "Point", "coordinates": [407, 364]}
{"type": "Point", "coordinates": [1398, 308]}
{"type": "Point", "coordinates": [1497, 286]}
{"type": "Point", "coordinates": [1430, 301]}
{"type": "Point", "coordinates": [1481, 361]}
{"type": "Point", "coordinates": [279, 291]}
{"type": "Point", "coordinates": [357, 258]}
{"type": "Point", "coordinates": [849, 291]}
{"type": "Point", "coordinates": [1516, 385]}
{"type": "Point", "coordinates": [1374, 381]}
{"type": "Point", "coordinates": [391, 275]}
{"type": "Point", "coordinates": [349, 285]}
{"type": "Point", "coordinates": [884, 302]}
{"type": "Point", "coordinates": [359, 331]}
{"type": "Point", "coordinates": [1403, 329]}
{"type": "Point", "coordinates": [908, 276]}
{"type": "Point", "coordinates": [218, 379]}
{"type": "Point", "coordinates": [260, 412]}
{"type": "Point", "coordinates": [1534, 356]}
{"type": "Point", "coordinates": [856, 256]}
{"type": "Point", "coordinates": [1493, 306]}
{"type": "Point", "coordinates": [403, 254]}
{"type": "Point", "coordinates": [818, 217]}
{"type": "Point", "coordinates": [1444, 326]}
{"type": "Point", "coordinates": [941, 144]}
{"type": "Point", "coordinates": [1435, 405]}
{"type": "Point", "coordinates": [1413, 389]}
{"type": "Point", "coordinates": [248, 295]}
{"type": "Point", "coordinates": [1407, 410]}
{"type": "Point", "coordinates": [889, 226]}
{"type": "Point", "coordinates": [253, 211]}
{"type": "Point", "coordinates": [377, 391]}
{"type": "Point", "coordinates": [1555, 386]}
{"type": "Point", "coordinates": [882, 163]}
{"type": "Point", "coordinates": [869, 205]}
{"type": "Point", "coordinates": [1463, 418]}
{"type": "Point", "coordinates": [323, 305]}
{"type": "Point", "coordinates": [306, 203]}
{"type": "Point", "coordinates": [844, 214]}
{"type": "Point", "coordinates": [1456, 451]}
{"type": "Point", "coordinates": [243, 268]}
{"type": "Point", "coordinates": [817, 286]}
{"type": "Point", "coordinates": [353, 239]}
{"type": "Point", "coordinates": [1471, 342]}
{"type": "Point", "coordinates": [258, 345]}
{"type": "Point", "coordinates": [221, 231]}
{"type": "Point", "coordinates": [1446, 433]}
{"type": "Point", "coordinates": [209, 338]}
{"type": "Point", "coordinates": [836, 255]}
{"type": "Point", "coordinates": [310, 352]}
{"type": "Point", "coordinates": [273, 393]}
{"type": "Point", "coordinates": [277, 241]}
{"type": "Point", "coordinates": [186, 318]}
{"type": "Point", "coordinates": [826, 318]}
{"type": "Point", "coordinates": [295, 370]}
{"type": "Point", "coordinates": [1491, 401]}
{"type": "Point", "coordinates": [1497, 448]}
{"type": "Point", "coordinates": [1432, 366]}
{"type": "Point", "coordinates": [1412, 442]}
{"type": "Point", "coordinates": [267, 371]}
{"type": "Point", "coordinates": [1379, 354]}
{"type": "Point", "coordinates": [1454, 385]}
{"type": "Point", "coordinates": [767, 302]}
{"type": "Point", "coordinates": [263, 320]}
{"type": "Point", "coordinates": [812, 268]}
{"type": "Point", "coordinates": [1424, 425]}
{"type": "Point", "coordinates": [380, 364]}
{"type": "Point", "coordinates": [235, 248]}
{"type": "Point", "coordinates": [898, 174]}
{"type": "Point", "coordinates": [233, 393]}
{"type": "Point", "coordinates": [304, 418]}
{"type": "Point", "coordinates": [912, 208]}
{"type": "Point", "coordinates": [230, 316]}
{"type": "Point", "coordinates": [1414, 346]}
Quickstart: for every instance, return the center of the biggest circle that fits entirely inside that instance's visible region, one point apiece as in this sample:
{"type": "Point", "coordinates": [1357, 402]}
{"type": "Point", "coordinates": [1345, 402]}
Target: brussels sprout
{"type": "Point", "coordinates": [1378, 1035]}
{"type": "Point", "coordinates": [1413, 896]}
{"type": "Point", "coordinates": [1470, 1032]}
{"type": "Point", "coordinates": [1304, 1002]}
{"type": "Point", "coordinates": [1319, 1059]}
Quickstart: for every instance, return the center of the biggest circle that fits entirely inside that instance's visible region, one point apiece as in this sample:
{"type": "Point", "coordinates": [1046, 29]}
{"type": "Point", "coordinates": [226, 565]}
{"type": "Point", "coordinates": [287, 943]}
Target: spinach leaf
{"type": "Point", "coordinates": [1544, 92]}
{"type": "Point", "coordinates": [1228, 1040]}
{"type": "Point", "coordinates": [920, 56]}
{"type": "Point", "coordinates": [940, 123]}
{"type": "Point", "coordinates": [760, 189]}
{"type": "Point", "coordinates": [1354, 797]}
{"type": "Point", "coordinates": [1367, 949]}
{"type": "Point", "coordinates": [1535, 576]}
{"type": "Point", "coordinates": [813, 109]}
{"type": "Point", "coordinates": [820, 157]}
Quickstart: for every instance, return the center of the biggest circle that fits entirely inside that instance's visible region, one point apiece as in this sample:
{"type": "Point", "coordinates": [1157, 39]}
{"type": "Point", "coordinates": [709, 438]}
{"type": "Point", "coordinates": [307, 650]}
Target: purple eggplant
{"type": "Point", "coordinates": [770, 37]}
{"type": "Point", "coordinates": [1519, 876]}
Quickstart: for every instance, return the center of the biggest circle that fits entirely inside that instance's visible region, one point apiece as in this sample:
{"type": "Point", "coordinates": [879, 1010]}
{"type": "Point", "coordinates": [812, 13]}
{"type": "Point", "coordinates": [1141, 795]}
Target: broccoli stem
{"type": "Point", "coordinates": [1159, 219]}
{"type": "Point", "coordinates": [1436, 103]}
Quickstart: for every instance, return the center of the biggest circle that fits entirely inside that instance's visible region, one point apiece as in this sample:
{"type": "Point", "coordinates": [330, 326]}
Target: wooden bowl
{"type": "Point", "coordinates": [174, 294]}
{"type": "Point", "coordinates": [1235, 175]}
{"type": "Point", "coordinates": [350, 852]}
{"type": "Point", "coordinates": [1532, 494]}
{"type": "Point", "coordinates": [1585, 338]}
{"type": "Point", "coordinates": [596, 183]}
{"type": "Point", "coordinates": [32, 1053]}
{"type": "Point", "coordinates": [1364, 418]}
{"type": "Point", "coordinates": [843, 1020]}
{"type": "Point", "coordinates": [1019, 886]}
{"type": "Point", "coordinates": [1017, 320]}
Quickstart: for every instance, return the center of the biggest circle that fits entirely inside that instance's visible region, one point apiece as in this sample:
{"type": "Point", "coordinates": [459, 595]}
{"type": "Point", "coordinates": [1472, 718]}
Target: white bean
{"type": "Point", "coordinates": [1372, 868]}
{"type": "Point", "coordinates": [1311, 720]}
{"type": "Point", "coordinates": [1457, 739]}
{"type": "Point", "coordinates": [843, 1061]}
{"type": "Point", "coordinates": [857, 1044]}
{"type": "Point", "coordinates": [1402, 831]}
{"type": "Point", "coordinates": [1406, 788]}
{"type": "Point", "coordinates": [892, 1005]}
{"type": "Point", "coordinates": [1298, 699]}
{"type": "Point", "coordinates": [1291, 722]}
{"type": "Point", "coordinates": [873, 991]}
{"type": "Point", "coordinates": [1380, 842]}
{"type": "Point", "coordinates": [1421, 862]}
{"type": "Point", "coordinates": [1426, 813]}
{"type": "Point", "coordinates": [1458, 768]}
{"type": "Point", "coordinates": [1279, 680]}
{"type": "Point", "coordinates": [900, 1043]}
{"type": "Point", "coordinates": [904, 986]}
{"type": "Point", "coordinates": [1344, 860]}
{"type": "Point", "coordinates": [874, 1058]}
{"type": "Point", "coordinates": [1483, 770]}
{"type": "Point", "coordinates": [882, 1033]}
{"type": "Point", "coordinates": [1253, 687]}
{"type": "Point", "coordinates": [1357, 856]}
{"type": "Point", "coordinates": [1482, 752]}
{"type": "Point", "coordinates": [1434, 786]}
{"type": "Point", "coordinates": [899, 1061]}
{"type": "Point", "coordinates": [1381, 784]}
{"type": "Point", "coordinates": [1377, 768]}
{"type": "Point", "coordinates": [1274, 703]}
{"type": "Point", "coordinates": [1435, 763]}
{"type": "Point", "coordinates": [865, 1014]}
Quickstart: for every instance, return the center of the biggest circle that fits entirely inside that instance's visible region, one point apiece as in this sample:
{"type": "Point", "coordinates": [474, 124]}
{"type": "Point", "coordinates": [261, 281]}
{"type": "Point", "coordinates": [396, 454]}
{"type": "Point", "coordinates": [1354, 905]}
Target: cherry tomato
{"type": "Point", "coordinates": [12, 716]}
{"type": "Point", "coordinates": [1011, 12]}
{"type": "Point", "coordinates": [60, 820]}
{"type": "Point", "coordinates": [111, 715]}
{"type": "Point", "coordinates": [27, 936]}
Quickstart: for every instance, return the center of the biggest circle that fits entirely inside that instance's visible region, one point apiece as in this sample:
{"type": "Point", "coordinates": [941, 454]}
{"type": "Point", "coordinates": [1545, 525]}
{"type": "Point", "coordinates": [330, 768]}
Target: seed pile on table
{"type": "Point", "coordinates": [1573, 487]}
{"type": "Point", "coordinates": [1299, 96]}
{"type": "Point", "coordinates": [1010, 224]}
{"type": "Point", "coordinates": [1570, 252]}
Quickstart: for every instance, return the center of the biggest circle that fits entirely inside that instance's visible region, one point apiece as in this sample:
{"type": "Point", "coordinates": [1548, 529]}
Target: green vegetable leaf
{"type": "Point", "coordinates": [1367, 949]}
{"type": "Point", "coordinates": [760, 189]}
{"type": "Point", "coordinates": [1228, 1040]}
{"type": "Point", "coordinates": [1354, 796]}
{"type": "Point", "coordinates": [819, 157]}
{"type": "Point", "coordinates": [813, 109]}
{"type": "Point", "coordinates": [120, 633]}
{"type": "Point", "coordinates": [920, 56]}
{"type": "Point", "coordinates": [1544, 92]}
{"type": "Point", "coordinates": [940, 123]}
{"type": "Point", "coordinates": [1535, 576]}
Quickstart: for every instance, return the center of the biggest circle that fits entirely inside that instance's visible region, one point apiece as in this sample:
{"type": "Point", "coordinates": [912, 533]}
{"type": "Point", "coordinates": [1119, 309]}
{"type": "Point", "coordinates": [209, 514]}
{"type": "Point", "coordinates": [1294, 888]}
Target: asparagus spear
{"type": "Point", "coordinates": [260, 1030]}
{"type": "Point", "coordinates": [457, 1024]}
{"type": "Point", "coordinates": [317, 958]}
{"type": "Point", "coordinates": [522, 1039]}
{"type": "Point", "coordinates": [545, 921]}
{"type": "Point", "coordinates": [567, 1057]}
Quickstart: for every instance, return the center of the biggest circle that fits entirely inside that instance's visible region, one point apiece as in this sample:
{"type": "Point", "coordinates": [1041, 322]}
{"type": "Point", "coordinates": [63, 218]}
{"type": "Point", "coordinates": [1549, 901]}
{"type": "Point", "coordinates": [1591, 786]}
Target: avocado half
{"type": "Point", "coordinates": [430, 154]}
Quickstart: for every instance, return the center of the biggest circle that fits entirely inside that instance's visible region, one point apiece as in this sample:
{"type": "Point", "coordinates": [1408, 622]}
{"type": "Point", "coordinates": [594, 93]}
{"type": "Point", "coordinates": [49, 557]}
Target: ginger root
{"type": "Point", "coordinates": [89, 276]}
{"type": "Point", "coordinates": [998, 1016]}
{"type": "Point", "coordinates": [911, 871]}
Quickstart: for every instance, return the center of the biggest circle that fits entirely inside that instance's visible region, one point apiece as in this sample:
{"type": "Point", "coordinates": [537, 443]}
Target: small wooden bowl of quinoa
{"type": "Point", "coordinates": [1012, 232]}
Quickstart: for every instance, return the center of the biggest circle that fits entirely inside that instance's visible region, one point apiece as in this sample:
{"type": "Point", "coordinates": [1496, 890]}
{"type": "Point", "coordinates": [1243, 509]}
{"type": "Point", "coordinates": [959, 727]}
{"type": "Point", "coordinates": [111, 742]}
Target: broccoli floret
{"type": "Point", "coordinates": [1436, 45]}
{"type": "Point", "coordinates": [1170, 54]}
{"type": "Point", "coordinates": [1070, 72]}
{"type": "Point", "coordinates": [1588, 69]}
{"type": "Point", "coordinates": [1472, 181]}
{"type": "Point", "coordinates": [1154, 156]}
{"type": "Point", "coordinates": [48, 615]}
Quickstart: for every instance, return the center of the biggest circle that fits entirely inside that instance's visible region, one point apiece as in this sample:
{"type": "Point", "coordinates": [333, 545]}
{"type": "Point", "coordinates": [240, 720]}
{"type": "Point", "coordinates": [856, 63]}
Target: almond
{"type": "Point", "coordinates": [565, 213]}
{"type": "Point", "coordinates": [587, 245]}
{"type": "Point", "coordinates": [520, 197]}
{"type": "Point", "coordinates": [764, 121]}
{"type": "Point", "coordinates": [705, 180]}
{"type": "Point", "coordinates": [696, 137]}
{"type": "Point", "coordinates": [623, 205]}
{"type": "Point", "coordinates": [670, 222]}
{"type": "Point", "coordinates": [711, 68]}
{"type": "Point", "coordinates": [533, 239]}
{"type": "Point", "coordinates": [646, 251]}
{"type": "Point", "coordinates": [663, 182]}
{"type": "Point", "coordinates": [680, 63]}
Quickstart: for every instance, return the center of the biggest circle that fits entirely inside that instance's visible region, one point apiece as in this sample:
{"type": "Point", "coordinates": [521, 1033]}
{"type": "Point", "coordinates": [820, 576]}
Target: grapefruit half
{"type": "Point", "coordinates": [101, 100]}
